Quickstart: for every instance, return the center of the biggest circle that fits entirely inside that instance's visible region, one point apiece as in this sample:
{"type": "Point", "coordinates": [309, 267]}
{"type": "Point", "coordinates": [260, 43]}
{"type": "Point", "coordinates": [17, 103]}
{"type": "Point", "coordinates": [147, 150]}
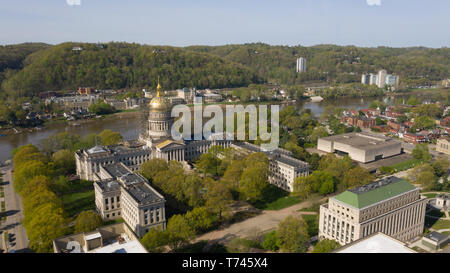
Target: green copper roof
{"type": "Point", "coordinates": [374, 192]}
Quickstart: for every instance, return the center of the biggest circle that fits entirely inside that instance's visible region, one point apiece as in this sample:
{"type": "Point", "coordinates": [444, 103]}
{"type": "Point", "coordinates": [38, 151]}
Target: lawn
{"type": "Point", "coordinates": [436, 213]}
{"type": "Point", "coordinates": [74, 203]}
{"type": "Point", "coordinates": [441, 224]}
{"type": "Point", "coordinates": [275, 198]}
{"type": "Point", "coordinates": [430, 195]}
{"type": "Point", "coordinates": [405, 165]}
{"type": "Point", "coordinates": [314, 208]}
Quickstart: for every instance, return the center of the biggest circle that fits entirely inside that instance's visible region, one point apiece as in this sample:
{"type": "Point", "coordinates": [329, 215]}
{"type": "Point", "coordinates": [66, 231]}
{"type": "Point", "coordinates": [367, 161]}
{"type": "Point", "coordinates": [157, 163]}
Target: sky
{"type": "Point", "coordinates": [367, 23]}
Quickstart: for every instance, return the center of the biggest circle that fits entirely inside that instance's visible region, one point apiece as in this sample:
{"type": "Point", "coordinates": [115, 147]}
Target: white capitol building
{"type": "Point", "coordinates": [122, 193]}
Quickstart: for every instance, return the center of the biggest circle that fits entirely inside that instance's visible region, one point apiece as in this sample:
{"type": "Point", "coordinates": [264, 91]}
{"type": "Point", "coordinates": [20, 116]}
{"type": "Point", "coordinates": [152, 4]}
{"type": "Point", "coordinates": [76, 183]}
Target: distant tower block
{"type": "Point", "coordinates": [301, 65]}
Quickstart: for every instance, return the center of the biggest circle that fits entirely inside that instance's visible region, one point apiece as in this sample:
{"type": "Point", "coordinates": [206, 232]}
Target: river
{"type": "Point", "coordinates": [127, 125]}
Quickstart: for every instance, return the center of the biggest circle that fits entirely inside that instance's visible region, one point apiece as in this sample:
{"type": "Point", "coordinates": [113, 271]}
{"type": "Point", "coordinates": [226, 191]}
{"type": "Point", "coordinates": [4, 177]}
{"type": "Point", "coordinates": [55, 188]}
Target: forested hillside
{"type": "Point", "coordinates": [28, 69]}
{"type": "Point", "coordinates": [335, 63]}
{"type": "Point", "coordinates": [12, 56]}
{"type": "Point", "coordinates": [122, 65]}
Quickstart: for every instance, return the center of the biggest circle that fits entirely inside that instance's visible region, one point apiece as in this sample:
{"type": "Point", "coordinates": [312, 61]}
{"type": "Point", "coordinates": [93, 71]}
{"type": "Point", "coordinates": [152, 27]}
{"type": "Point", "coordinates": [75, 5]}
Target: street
{"type": "Point", "coordinates": [14, 215]}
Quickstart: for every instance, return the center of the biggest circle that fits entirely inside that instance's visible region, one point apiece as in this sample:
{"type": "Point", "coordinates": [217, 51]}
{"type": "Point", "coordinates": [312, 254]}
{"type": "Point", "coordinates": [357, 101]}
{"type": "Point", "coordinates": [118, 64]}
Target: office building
{"type": "Point", "coordinates": [283, 168]}
{"type": "Point", "coordinates": [362, 147]}
{"type": "Point", "coordinates": [301, 65]}
{"type": "Point", "coordinates": [392, 206]}
{"type": "Point", "coordinates": [121, 193]}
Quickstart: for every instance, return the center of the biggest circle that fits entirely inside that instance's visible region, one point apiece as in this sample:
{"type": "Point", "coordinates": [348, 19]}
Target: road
{"type": "Point", "coordinates": [266, 221]}
{"type": "Point", "coordinates": [14, 212]}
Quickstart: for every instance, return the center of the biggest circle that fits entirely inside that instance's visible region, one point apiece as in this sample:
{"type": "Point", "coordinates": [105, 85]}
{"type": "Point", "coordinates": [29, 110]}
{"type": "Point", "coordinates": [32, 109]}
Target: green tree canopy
{"type": "Point", "coordinates": [87, 221]}
{"type": "Point", "coordinates": [292, 235]}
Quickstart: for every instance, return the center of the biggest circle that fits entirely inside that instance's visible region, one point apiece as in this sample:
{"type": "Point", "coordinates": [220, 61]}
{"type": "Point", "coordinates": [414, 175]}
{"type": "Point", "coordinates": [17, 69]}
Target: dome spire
{"type": "Point", "coordinates": [158, 89]}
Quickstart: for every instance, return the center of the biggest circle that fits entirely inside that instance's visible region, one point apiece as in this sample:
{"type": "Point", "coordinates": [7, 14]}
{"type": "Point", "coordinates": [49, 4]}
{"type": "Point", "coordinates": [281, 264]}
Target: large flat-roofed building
{"type": "Point", "coordinates": [375, 243]}
{"type": "Point", "coordinates": [392, 206]}
{"type": "Point", "coordinates": [363, 147]}
{"type": "Point", "coordinates": [120, 193]}
{"type": "Point", "coordinates": [283, 168]}
{"type": "Point", "coordinates": [116, 238]}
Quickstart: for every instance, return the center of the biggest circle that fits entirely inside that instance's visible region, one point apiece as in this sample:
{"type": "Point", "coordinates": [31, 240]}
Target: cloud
{"type": "Point", "coordinates": [373, 2]}
{"type": "Point", "coordinates": [78, 2]}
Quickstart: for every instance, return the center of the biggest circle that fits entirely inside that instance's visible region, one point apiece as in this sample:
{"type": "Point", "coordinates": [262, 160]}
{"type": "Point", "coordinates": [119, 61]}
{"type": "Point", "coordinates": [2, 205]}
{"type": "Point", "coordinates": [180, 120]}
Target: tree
{"type": "Point", "coordinates": [26, 153]}
{"type": "Point", "coordinates": [87, 221]}
{"type": "Point", "coordinates": [355, 177]}
{"type": "Point", "coordinates": [422, 123]}
{"type": "Point", "coordinates": [179, 231]}
{"type": "Point", "coordinates": [64, 162]}
{"type": "Point", "coordinates": [270, 241]}
{"type": "Point", "coordinates": [440, 166]}
{"type": "Point", "coordinates": [422, 174]}
{"type": "Point", "coordinates": [47, 223]}
{"type": "Point", "coordinates": [292, 235]}
{"type": "Point", "coordinates": [252, 184]}
{"type": "Point", "coordinates": [413, 101]}
{"type": "Point", "coordinates": [26, 172]}
{"type": "Point", "coordinates": [150, 168]}
{"type": "Point", "coordinates": [218, 197]}
{"type": "Point", "coordinates": [155, 240]}
{"type": "Point", "coordinates": [233, 171]}
{"type": "Point", "coordinates": [199, 219]}
{"type": "Point", "coordinates": [108, 137]}
{"type": "Point", "coordinates": [37, 184]}
{"type": "Point", "coordinates": [254, 177]}
{"type": "Point", "coordinates": [337, 167]}
{"type": "Point", "coordinates": [317, 133]}
{"type": "Point", "coordinates": [101, 108]}
{"type": "Point", "coordinates": [325, 246]}
{"type": "Point", "coordinates": [421, 152]}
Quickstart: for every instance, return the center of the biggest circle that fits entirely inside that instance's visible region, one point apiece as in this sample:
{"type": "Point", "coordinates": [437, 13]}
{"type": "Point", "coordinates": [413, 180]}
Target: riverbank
{"type": "Point", "coordinates": [9, 131]}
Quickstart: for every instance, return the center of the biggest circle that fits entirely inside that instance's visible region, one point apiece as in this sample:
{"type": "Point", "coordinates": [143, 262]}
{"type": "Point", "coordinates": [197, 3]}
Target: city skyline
{"type": "Point", "coordinates": [365, 23]}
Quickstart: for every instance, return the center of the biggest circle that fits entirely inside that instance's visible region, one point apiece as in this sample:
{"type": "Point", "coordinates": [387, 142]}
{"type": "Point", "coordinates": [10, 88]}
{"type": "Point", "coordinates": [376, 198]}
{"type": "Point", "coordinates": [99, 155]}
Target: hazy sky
{"type": "Point", "coordinates": [393, 23]}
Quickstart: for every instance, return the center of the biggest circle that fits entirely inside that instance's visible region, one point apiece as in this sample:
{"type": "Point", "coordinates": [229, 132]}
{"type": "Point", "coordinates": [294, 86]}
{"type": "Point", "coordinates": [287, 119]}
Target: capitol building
{"type": "Point", "coordinates": [120, 192]}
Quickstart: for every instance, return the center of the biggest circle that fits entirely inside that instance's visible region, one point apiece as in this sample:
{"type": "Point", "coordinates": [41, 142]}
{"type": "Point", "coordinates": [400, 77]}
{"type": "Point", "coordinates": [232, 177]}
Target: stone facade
{"type": "Point", "coordinates": [283, 168]}
{"type": "Point", "coordinates": [121, 193]}
{"type": "Point", "coordinates": [362, 147]}
{"type": "Point", "coordinates": [443, 146]}
{"type": "Point", "coordinates": [391, 206]}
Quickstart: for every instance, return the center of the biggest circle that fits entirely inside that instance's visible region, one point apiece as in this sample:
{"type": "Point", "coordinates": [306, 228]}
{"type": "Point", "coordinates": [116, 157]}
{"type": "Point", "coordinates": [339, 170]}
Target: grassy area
{"type": "Point", "coordinates": [275, 198]}
{"type": "Point", "coordinates": [3, 205]}
{"type": "Point", "coordinates": [199, 248]}
{"type": "Point", "coordinates": [441, 224]}
{"type": "Point", "coordinates": [74, 203]}
{"type": "Point", "coordinates": [314, 208]}
{"type": "Point", "coordinates": [405, 165]}
{"type": "Point", "coordinates": [436, 213]}
{"type": "Point", "coordinates": [446, 233]}
{"type": "Point", "coordinates": [112, 222]}
{"type": "Point", "coordinates": [313, 223]}
{"type": "Point", "coordinates": [241, 245]}
{"type": "Point", "coordinates": [430, 195]}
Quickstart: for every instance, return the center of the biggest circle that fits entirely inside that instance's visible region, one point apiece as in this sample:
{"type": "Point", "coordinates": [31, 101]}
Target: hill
{"type": "Point", "coordinates": [123, 65]}
{"type": "Point", "coordinates": [333, 63]}
{"type": "Point", "coordinates": [32, 68]}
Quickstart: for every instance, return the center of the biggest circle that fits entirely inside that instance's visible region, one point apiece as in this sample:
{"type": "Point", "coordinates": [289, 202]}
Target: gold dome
{"type": "Point", "coordinates": [159, 103]}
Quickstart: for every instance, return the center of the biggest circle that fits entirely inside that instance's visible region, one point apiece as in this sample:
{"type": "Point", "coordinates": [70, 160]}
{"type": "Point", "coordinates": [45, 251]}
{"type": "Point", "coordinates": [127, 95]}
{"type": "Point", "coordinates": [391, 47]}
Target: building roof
{"type": "Point", "coordinates": [144, 194]}
{"type": "Point", "coordinates": [363, 140]}
{"type": "Point", "coordinates": [164, 143]}
{"type": "Point", "coordinates": [375, 192]}
{"type": "Point", "coordinates": [96, 149]}
{"type": "Point", "coordinates": [436, 236]}
{"type": "Point", "coordinates": [377, 243]}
